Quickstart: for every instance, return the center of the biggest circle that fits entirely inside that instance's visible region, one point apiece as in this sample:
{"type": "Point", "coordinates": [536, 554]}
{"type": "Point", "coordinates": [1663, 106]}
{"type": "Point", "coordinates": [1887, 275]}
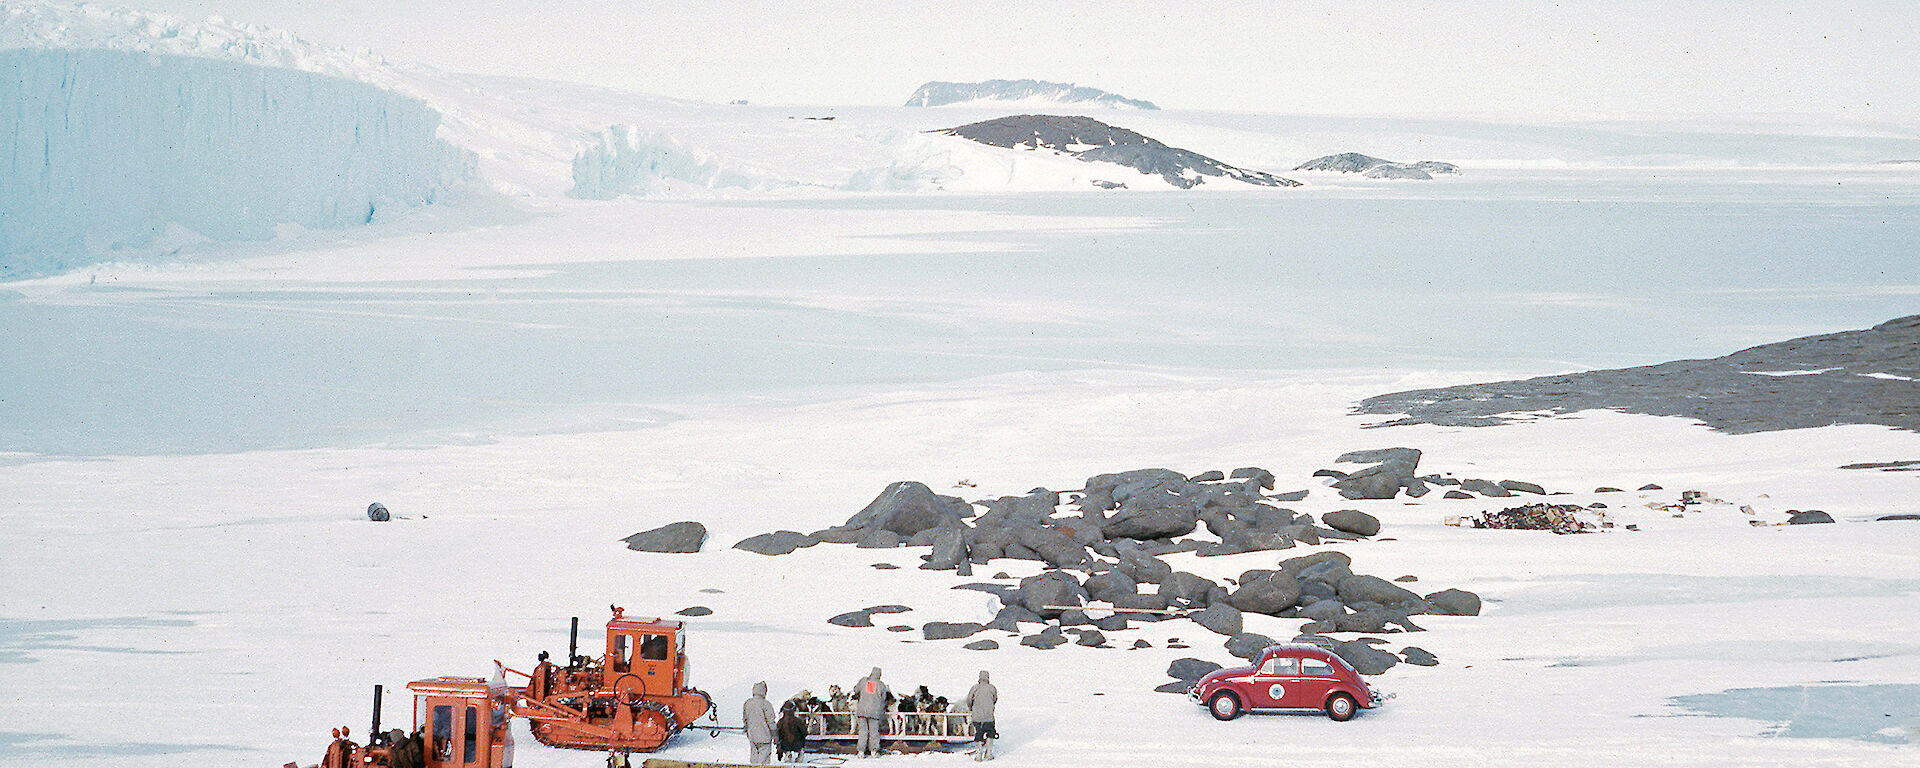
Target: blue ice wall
{"type": "Point", "coordinates": [101, 151]}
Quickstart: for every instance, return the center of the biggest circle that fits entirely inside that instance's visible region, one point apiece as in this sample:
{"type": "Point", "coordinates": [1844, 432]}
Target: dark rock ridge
{"type": "Point", "coordinates": [1097, 142]}
{"type": "Point", "coordinates": [1851, 377]}
{"type": "Point", "coordinates": [938, 93]}
{"type": "Point", "coordinates": [1376, 168]}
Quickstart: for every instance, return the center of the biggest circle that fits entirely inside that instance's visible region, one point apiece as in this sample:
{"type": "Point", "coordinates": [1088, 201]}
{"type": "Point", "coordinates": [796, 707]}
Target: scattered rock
{"type": "Point", "coordinates": [982, 645]}
{"type": "Point", "coordinates": [1455, 602]}
{"type": "Point", "coordinates": [1365, 658]}
{"type": "Point", "coordinates": [378, 513]}
{"type": "Point", "coordinates": [1260, 476]}
{"type": "Point", "coordinates": [1808, 517]}
{"type": "Point", "coordinates": [1248, 645]}
{"type": "Point", "coordinates": [1190, 669]}
{"type": "Point", "coordinates": [880, 538]}
{"type": "Point", "coordinates": [1419, 657]}
{"type": "Point", "coordinates": [1138, 644]}
{"type": "Point", "coordinates": [909, 507]}
{"type": "Point", "coordinates": [1885, 518]}
{"type": "Point", "coordinates": [682, 537]}
{"type": "Point", "coordinates": [886, 566]}
{"type": "Point", "coordinates": [1484, 487]}
{"type": "Point", "coordinates": [777, 543]}
{"type": "Point", "coordinates": [1221, 618]}
{"type": "Point", "coordinates": [888, 609]}
{"type": "Point", "coordinates": [1523, 487]}
{"type": "Point", "coordinates": [1456, 495]}
{"type": "Point", "coordinates": [900, 628]}
{"type": "Point", "coordinates": [1091, 638]}
{"type": "Point", "coordinates": [695, 610]}
{"type": "Point", "coordinates": [1407, 578]}
{"type": "Point", "coordinates": [1271, 593]}
{"type": "Point", "coordinates": [1208, 476]}
{"type": "Point", "coordinates": [1352, 521]}
{"type": "Point", "coordinates": [1606, 489]}
{"type": "Point", "coordinates": [1043, 642]}
{"type": "Point", "coordinates": [943, 630]}
{"type": "Point", "coordinates": [1650, 487]}
{"type": "Point", "coordinates": [853, 619]}
{"type": "Point", "coordinates": [1373, 589]}
{"type": "Point", "coordinates": [1291, 496]}
{"type": "Point", "coordinates": [1177, 686]}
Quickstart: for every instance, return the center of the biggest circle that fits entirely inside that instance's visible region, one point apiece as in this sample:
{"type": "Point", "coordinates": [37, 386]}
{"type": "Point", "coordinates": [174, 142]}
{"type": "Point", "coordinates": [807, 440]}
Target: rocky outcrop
{"type": "Point", "coordinates": [1851, 377]}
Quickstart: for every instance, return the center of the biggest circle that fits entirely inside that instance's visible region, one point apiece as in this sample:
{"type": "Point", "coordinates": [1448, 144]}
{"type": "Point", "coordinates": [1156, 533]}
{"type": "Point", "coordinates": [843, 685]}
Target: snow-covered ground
{"type": "Point", "coordinates": [788, 314]}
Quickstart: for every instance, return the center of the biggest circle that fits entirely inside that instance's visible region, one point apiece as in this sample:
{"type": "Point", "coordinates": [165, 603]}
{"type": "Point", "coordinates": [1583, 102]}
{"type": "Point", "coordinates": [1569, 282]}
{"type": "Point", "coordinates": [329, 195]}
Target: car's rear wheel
{"type": "Point", "coordinates": [1341, 707]}
{"type": "Point", "coordinates": [1224, 705]}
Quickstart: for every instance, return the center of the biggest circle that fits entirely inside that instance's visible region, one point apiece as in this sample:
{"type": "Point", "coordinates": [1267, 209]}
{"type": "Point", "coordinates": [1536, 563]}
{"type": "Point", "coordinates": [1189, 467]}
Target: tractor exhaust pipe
{"type": "Point", "coordinates": [573, 643]}
{"type": "Point", "coordinates": [374, 734]}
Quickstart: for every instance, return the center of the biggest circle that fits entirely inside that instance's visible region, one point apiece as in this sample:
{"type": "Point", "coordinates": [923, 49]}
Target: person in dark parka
{"type": "Point", "coordinates": [790, 733]}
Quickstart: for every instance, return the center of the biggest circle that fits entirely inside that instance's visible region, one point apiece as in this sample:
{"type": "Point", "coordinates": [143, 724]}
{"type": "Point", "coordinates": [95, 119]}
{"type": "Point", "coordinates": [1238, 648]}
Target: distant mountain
{"type": "Point", "coordinates": [937, 93]}
{"type": "Point", "coordinates": [1093, 141]}
{"type": "Point", "coordinates": [1376, 168]}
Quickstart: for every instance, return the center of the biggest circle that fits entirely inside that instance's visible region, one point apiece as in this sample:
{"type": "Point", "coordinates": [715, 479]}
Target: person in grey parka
{"type": "Point", "coordinates": [758, 716]}
{"type": "Point", "coordinates": [980, 702]}
{"type": "Point", "coordinates": [870, 698]}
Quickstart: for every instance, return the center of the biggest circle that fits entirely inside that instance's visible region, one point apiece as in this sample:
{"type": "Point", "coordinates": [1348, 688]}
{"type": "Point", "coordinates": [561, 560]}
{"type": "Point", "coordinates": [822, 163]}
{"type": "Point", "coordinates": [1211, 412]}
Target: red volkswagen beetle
{"type": "Point", "coordinates": [1286, 677]}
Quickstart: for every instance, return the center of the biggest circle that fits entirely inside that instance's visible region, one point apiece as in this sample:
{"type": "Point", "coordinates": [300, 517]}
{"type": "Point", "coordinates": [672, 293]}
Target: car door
{"type": "Point", "coordinates": [1274, 681]}
{"type": "Point", "coordinates": [1316, 679]}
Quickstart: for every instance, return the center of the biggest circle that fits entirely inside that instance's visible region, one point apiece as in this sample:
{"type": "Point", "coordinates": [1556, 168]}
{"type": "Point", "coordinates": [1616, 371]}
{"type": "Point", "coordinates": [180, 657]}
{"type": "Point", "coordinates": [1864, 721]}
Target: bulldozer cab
{"type": "Point", "coordinates": [650, 650]}
{"type": "Point", "coordinates": [462, 723]}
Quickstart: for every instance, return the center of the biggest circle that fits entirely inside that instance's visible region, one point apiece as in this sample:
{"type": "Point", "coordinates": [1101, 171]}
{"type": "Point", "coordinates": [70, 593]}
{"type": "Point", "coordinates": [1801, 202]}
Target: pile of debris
{"type": "Point", "coordinates": [1558, 518]}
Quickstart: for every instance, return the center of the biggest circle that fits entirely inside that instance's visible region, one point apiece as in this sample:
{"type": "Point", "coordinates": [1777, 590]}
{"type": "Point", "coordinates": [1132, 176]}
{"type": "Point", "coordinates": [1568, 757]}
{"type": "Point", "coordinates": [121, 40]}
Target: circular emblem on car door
{"type": "Point", "coordinates": [1276, 691]}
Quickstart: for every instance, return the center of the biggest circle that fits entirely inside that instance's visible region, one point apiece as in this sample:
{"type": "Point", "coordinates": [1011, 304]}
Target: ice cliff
{"type": "Point", "coordinates": [122, 131]}
{"type": "Point", "coordinates": [937, 93]}
{"type": "Point", "coordinates": [104, 151]}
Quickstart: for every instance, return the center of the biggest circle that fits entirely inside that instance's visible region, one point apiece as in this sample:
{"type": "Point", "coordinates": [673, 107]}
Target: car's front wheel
{"type": "Point", "coordinates": [1341, 707]}
{"type": "Point", "coordinates": [1224, 705]}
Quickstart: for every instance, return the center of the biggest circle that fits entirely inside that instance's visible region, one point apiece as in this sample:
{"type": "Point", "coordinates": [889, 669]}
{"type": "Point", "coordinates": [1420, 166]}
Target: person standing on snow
{"type": "Point", "coordinates": [980, 702]}
{"type": "Point", "coordinates": [870, 697]}
{"type": "Point", "coordinates": [758, 715]}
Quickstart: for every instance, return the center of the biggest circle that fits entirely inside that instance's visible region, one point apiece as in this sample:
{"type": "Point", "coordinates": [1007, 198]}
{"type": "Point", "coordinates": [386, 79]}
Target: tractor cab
{"type": "Point", "coordinates": [644, 656]}
{"type": "Point", "coordinates": [463, 722]}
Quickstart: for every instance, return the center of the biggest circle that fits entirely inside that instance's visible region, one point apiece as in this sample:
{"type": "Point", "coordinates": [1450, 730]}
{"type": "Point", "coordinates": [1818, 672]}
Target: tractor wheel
{"type": "Point", "coordinates": [1224, 705]}
{"type": "Point", "coordinates": [1341, 707]}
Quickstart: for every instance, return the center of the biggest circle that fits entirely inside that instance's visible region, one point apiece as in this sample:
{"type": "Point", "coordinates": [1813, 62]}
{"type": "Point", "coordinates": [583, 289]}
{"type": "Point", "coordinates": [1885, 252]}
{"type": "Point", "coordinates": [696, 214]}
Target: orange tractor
{"type": "Point", "coordinates": [632, 699]}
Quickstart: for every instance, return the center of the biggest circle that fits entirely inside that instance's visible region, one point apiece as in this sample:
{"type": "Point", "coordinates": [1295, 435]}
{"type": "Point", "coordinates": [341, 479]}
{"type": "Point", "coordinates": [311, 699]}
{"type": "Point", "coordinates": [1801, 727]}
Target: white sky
{"type": "Point", "coordinates": [1629, 58]}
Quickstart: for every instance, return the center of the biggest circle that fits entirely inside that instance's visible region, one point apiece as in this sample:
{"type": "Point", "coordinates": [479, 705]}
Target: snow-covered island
{"type": "Point", "coordinates": [1090, 140]}
{"type": "Point", "coordinates": [940, 94]}
{"type": "Point", "coordinates": [1376, 168]}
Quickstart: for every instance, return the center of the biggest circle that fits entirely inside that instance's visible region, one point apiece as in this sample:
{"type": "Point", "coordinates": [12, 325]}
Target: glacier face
{"type": "Point", "coordinates": [104, 150]}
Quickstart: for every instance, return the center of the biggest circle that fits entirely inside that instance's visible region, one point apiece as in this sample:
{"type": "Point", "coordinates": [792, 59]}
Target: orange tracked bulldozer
{"type": "Point", "coordinates": [632, 699]}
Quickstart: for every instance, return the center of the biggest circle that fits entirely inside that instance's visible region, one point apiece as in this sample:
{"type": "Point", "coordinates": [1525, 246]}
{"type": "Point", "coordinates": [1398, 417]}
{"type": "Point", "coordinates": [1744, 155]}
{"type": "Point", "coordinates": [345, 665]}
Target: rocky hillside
{"type": "Point", "coordinates": [1869, 376]}
{"type": "Point", "coordinates": [1096, 142]}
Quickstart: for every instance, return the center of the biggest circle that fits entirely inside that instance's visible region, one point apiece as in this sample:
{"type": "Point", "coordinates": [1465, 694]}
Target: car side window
{"type": "Point", "coordinates": [1315, 667]}
{"type": "Point", "coordinates": [1279, 666]}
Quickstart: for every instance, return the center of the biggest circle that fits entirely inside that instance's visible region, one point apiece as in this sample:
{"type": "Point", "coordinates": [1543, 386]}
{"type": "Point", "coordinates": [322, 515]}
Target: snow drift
{"type": "Point", "coordinates": [108, 150]}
